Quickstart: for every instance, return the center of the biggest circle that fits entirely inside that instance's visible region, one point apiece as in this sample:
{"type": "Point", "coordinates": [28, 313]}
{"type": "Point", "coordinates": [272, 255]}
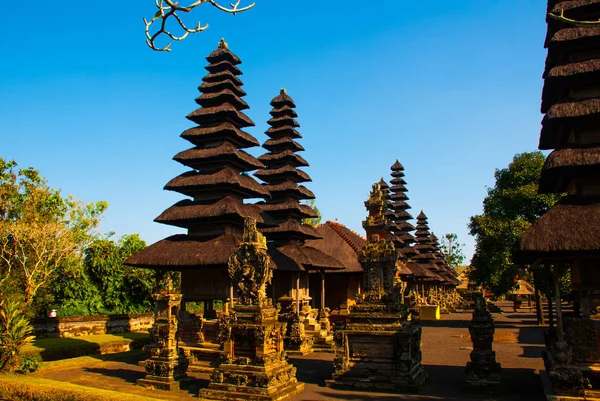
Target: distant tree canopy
{"type": "Point", "coordinates": [509, 209]}
{"type": "Point", "coordinates": [316, 220]}
{"type": "Point", "coordinates": [451, 249]}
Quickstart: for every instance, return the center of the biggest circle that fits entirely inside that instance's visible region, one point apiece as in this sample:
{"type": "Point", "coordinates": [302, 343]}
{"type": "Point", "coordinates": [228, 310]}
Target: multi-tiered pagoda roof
{"type": "Point", "coordinates": [571, 126]}
{"type": "Point", "coordinates": [444, 270]}
{"type": "Point", "coordinates": [424, 264]}
{"type": "Point", "coordinates": [283, 178]}
{"type": "Point", "coordinates": [217, 182]}
{"type": "Point", "coordinates": [399, 205]}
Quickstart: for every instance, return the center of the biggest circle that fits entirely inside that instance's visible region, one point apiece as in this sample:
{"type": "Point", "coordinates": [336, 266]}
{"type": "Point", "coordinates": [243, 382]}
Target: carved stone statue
{"type": "Point", "coordinates": [253, 365]}
{"type": "Point", "coordinates": [483, 370]}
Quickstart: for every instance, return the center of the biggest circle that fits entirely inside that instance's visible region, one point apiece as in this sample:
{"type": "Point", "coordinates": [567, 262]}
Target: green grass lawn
{"type": "Point", "coordinates": [51, 349]}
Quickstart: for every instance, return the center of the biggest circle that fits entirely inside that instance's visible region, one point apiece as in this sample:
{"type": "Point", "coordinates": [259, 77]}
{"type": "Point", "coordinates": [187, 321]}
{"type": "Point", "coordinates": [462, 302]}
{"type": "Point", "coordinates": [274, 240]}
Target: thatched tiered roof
{"type": "Point", "coordinates": [444, 271]}
{"type": "Point", "coordinates": [341, 243]}
{"type": "Point", "coordinates": [217, 182]}
{"type": "Point", "coordinates": [426, 259]}
{"type": "Point", "coordinates": [283, 177]}
{"type": "Point", "coordinates": [571, 126]}
{"type": "Point", "coordinates": [400, 227]}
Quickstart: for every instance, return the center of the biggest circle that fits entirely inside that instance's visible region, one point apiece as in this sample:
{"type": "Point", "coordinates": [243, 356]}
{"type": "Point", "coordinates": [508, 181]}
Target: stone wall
{"type": "Point", "coordinates": [75, 326]}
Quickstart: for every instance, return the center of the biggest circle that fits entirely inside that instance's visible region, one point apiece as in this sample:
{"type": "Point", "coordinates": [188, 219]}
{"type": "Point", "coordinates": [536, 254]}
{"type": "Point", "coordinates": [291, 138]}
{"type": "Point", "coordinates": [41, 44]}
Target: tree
{"type": "Point", "coordinates": [315, 221]}
{"type": "Point", "coordinates": [451, 249]}
{"type": "Point", "coordinates": [509, 208]}
{"type": "Point", "coordinates": [42, 233]}
{"type": "Point", "coordinates": [169, 8]}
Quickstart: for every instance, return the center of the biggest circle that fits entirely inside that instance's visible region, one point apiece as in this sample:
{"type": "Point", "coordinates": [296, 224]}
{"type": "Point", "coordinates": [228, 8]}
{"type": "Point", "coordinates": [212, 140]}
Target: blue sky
{"type": "Point", "coordinates": [452, 90]}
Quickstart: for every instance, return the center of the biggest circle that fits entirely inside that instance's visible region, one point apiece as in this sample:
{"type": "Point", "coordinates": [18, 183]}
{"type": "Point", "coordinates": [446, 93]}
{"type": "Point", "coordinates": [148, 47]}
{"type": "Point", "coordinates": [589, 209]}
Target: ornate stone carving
{"type": "Point", "coordinates": [249, 266]}
{"type": "Point", "coordinates": [378, 350]}
{"type": "Point", "coordinates": [253, 364]}
{"type": "Point", "coordinates": [483, 370]}
{"type": "Point", "coordinates": [167, 363]}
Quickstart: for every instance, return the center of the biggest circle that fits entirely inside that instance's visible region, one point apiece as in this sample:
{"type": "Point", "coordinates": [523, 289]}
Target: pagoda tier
{"type": "Point", "coordinates": [282, 176]}
{"type": "Point", "coordinates": [401, 227]}
{"type": "Point", "coordinates": [425, 259]}
{"type": "Point", "coordinates": [217, 182]}
{"type": "Point", "coordinates": [571, 126]}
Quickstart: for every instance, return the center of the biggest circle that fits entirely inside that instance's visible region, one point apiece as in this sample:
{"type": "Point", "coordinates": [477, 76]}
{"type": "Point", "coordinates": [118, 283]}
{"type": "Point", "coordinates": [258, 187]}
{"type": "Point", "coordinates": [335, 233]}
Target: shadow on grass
{"type": "Point", "coordinates": [191, 386]}
{"type": "Point", "coordinates": [448, 383]}
{"type": "Point", "coordinates": [52, 349]}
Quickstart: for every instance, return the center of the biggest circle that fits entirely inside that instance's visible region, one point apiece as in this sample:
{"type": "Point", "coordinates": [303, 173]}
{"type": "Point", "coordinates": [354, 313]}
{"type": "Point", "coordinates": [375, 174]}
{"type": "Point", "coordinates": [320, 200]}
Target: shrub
{"type": "Point", "coordinates": [15, 331]}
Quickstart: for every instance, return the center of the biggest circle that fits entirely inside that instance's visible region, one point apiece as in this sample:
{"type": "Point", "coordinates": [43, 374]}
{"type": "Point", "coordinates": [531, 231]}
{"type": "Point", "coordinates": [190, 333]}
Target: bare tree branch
{"type": "Point", "coordinates": [168, 8]}
{"type": "Point", "coordinates": [581, 24]}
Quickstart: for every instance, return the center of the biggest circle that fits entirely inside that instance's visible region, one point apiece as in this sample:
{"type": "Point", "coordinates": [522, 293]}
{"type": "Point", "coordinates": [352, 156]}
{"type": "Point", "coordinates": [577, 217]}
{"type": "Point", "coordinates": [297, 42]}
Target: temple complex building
{"type": "Point", "coordinates": [568, 235]}
{"type": "Point", "coordinates": [341, 286]}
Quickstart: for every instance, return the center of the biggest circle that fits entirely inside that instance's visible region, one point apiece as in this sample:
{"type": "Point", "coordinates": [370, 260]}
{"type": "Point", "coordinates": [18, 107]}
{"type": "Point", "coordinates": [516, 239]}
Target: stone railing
{"type": "Point", "coordinates": [75, 326]}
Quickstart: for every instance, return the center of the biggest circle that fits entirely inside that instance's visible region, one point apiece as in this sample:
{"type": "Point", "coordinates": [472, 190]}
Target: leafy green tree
{"type": "Point", "coordinates": [316, 220]}
{"type": "Point", "coordinates": [42, 233]}
{"type": "Point", "coordinates": [509, 209]}
{"type": "Point", "coordinates": [451, 249]}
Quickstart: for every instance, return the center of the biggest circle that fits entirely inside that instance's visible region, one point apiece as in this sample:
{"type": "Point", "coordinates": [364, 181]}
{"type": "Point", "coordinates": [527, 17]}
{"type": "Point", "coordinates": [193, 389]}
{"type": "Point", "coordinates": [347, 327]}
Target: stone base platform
{"type": "Point", "coordinates": [162, 383]}
{"type": "Point", "coordinates": [234, 382]}
{"type": "Point", "coordinates": [379, 377]}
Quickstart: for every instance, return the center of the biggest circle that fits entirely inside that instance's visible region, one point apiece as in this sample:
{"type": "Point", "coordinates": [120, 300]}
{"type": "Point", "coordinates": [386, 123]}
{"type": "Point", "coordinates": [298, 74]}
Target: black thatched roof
{"type": "Point", "coordinates": [194, 183]}
{"type": "Point", "coordinates": [223, 154]}
{"type": "Point", "coordinates": [287, 156]}
{"type": "Point", "coordinates": [188, 213]}
{"type": "Point", "coordinates": [183, 252]}
{"type": "Point", "coordinates": [571, 229]}
{"type": "Point", "coordinates": [562, 166]}
{"type": "Point", "coordinates": [288, 207]}
{"type": "Point", "coordinates": [225, 131]}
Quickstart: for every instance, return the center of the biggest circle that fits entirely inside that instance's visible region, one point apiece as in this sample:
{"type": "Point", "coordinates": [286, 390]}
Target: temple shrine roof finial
{"type": "Point", "coordinates": [223, 44]}
{"type": "Point", "coordinates": [282, 91]}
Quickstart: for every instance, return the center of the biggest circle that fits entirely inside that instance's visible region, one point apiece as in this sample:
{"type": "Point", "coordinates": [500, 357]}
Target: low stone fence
{"type": "Point", "coordinates": [75, 326]}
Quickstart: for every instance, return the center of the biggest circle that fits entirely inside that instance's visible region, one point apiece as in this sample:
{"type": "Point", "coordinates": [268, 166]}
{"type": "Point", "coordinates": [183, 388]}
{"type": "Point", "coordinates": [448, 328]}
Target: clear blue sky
{"type": "Point", "coordinates": [451, 89]}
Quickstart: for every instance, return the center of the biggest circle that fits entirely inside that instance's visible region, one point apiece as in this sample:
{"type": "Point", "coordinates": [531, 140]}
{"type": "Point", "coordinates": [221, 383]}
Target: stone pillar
{"type": "Point", "coordinates": [483, 371]}
{"type": "Point", "coordinates": [167, 365]}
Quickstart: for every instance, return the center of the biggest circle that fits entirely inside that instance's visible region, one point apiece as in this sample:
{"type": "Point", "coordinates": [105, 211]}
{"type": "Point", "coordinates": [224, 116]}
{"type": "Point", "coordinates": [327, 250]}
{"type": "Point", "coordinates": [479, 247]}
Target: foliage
{"type": "Point", "coordinates": [451, 249]}
{"type": "Point", "coordinates": [15, 332]}
{"type": "Point", "coordinates": [315, 221]}
{"type": "Point", "coordinates": [42, 233]}
{"type": "Point", "coordinates": [103, 284]}
{"type": "Point", "coordinates": [30, 364]}
{"type": "Point", "coordinates": [509, 209]}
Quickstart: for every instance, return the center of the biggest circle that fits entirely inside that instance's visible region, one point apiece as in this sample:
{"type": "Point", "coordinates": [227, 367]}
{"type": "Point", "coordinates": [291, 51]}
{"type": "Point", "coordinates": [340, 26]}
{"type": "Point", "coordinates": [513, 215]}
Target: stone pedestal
{"type": "Point", "coordinates": [378, 351]}
{"type": "Point", "coordinates": [254, 365]}
{"type": "Point", "coordinates": [483, 371]}
{"type": "Point", "coordinates": [298, 342]}
{"type": "Point", "coordinates": [166, 365]}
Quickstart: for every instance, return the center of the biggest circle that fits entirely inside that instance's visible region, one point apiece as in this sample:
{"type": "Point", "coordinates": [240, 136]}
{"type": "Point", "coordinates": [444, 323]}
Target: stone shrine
{"type": "Point", "coordinates": [483, 370]}
{"type": "Point", "coordinates": [253, 365]}
{"type": "Point", "coordinates": [379, 349]}
{"type": "Point", "coordinates": [166, 365]}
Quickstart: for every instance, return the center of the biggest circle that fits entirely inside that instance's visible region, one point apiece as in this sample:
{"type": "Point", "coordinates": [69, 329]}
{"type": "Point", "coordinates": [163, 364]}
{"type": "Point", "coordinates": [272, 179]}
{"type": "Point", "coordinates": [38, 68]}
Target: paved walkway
{"type": "Point", "coordinates": [446, 348]}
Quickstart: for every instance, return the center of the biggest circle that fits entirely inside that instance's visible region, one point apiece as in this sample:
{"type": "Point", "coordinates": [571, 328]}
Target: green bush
{"type": "Point", "coordinates": [29, 365]}
{"type": "Point", "coordinates": [15, 332]}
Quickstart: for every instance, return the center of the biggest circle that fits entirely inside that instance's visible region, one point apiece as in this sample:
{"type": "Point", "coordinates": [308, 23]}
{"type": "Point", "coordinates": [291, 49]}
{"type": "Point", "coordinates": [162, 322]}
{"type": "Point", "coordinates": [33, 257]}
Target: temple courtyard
{"type": "Point", "coordinates": [518, 343]}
